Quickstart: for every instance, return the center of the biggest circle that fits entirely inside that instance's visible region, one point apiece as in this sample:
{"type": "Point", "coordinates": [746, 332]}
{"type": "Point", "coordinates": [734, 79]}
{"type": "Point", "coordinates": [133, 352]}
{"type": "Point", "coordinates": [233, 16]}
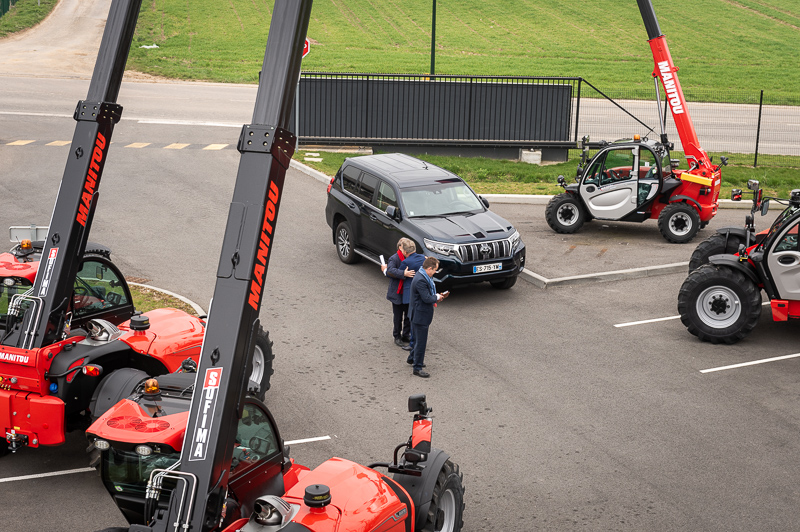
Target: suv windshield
{"type": "Point", "coordinates": [440, 199]}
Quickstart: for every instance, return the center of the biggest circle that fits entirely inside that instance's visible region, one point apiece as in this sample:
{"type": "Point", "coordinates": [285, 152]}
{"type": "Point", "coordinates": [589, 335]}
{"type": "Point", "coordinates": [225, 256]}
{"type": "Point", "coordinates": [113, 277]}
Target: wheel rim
{"type": "Point", "coordinates": [567, 214]}
{"type": "Point", "coordinates": [718, 307]}
{"type": "Point", "coordinates": [680, 223]}
{"type": "Point", "coordinates": [258, 367]}
{"type": "Point", "coordinates": [447, 505]}
{"type": "Point", "coordinates": [344, 243]}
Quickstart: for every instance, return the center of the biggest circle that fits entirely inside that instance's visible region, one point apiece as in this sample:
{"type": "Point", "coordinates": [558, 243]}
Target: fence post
{"type": "Point", "coordinates": [578, 110]}
{"type": "Point", "coordinates": [758, 128]}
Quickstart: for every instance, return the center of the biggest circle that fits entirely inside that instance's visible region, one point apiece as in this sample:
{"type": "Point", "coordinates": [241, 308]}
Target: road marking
{"type": "Point", "coordinates": [53, 474]}
{"type": "Point", "coordinates": [58, 143]}
{"type": "Point", "coordinates": [307, 440]}
{"type": "Point", "coordinates": [646, 321]}
{"type": "Point", "coordinates": [91, 469]}
{"type": "Point", "coordinates": [137, 145]}
{"type": "Point", "coordinates": [175, 146]}
{"type": "Point", "coordinates": [216, 146]}
{"type": "Point", "coordinates": [20, 142]}
{"type": "Point", "coordinates": [753, 363]}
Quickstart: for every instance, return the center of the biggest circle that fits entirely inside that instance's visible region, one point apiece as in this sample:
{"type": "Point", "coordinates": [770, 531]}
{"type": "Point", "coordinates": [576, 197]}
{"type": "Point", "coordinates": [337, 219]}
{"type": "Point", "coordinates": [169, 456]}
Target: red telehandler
{"type": "Point", "coordinates": [68, 329]}
{"type": "Point", "coordinates": [193, 452]}
{"type": "Point", "coordinates": [635, 180]}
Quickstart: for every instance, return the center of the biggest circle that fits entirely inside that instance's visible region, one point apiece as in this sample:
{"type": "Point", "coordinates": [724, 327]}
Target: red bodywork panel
{"type": "Point", "coordinates": [10, 266]}
{"type": "Point", "coordinates": [172, 337]}
{"type": "Point", "coordinates": [783, 310]}
{"type": "Point", "coordinates": [421, 434]}
{"type": "Point", "coordinates": [127, 421]}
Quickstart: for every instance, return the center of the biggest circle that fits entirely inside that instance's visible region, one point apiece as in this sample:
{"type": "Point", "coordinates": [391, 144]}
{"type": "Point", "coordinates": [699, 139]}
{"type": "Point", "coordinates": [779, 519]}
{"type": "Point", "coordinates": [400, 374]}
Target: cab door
{"type": "Point", "coordinates": [783, 262]}
{"type": "Point", "coordinates": [611, 184]}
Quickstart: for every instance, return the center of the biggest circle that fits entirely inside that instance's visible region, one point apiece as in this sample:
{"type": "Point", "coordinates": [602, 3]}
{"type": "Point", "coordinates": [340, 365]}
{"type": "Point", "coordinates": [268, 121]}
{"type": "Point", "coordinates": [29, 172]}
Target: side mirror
{"type": "Point", "coordinates": [736, 194]}
{"type": "Point", "coordinates": [752, 184]}
{"type": "Point", "coordinates": [416, 403]}
{"type": "Point", "coordinates": [562, 181]}
{"type": "Point", "coordinates": [723, 160]}
{"type": "Point", "coordinates": [484, 201]}
{"type": "Point", "coordinates": [764, 207]}
{"type": "Point", "coordinates": [392, 212]}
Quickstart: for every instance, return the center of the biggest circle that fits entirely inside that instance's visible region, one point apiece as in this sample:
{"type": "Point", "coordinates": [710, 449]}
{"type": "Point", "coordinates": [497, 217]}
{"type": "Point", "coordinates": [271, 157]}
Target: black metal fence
{"type": "Point", "coordinates": [5, 6]}
{"type": "Point", "coordinates": [534, 112]}
{"type": "Point", "coordinates": [437, 110]}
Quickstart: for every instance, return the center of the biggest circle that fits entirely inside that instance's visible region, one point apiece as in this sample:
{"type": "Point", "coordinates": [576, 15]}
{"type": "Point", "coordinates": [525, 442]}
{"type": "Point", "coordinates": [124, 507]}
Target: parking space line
{"type": "Point", "coordinates": [138, 145]}
{"type": "Point", "coordinates": [752, 363]}
{"type": "Point", "coordinates": [91, 469]}
{"type": "Point", "coordinates": [646, 321]}
{"type": "Point", "coordinates": [53, 474]}
{"type": "Point", "coordinates": [20, 142]}
{"type": "Point", "coordinates": [58, 143]}
{"type": "Point", "coordinates": [216, 147]}
{"type": "Point", "coordinates": [175, 146]}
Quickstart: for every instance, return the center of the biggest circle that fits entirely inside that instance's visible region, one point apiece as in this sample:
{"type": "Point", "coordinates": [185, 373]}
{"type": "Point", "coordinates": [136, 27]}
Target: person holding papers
{"type": "Point", "coordinates": [397, 276]}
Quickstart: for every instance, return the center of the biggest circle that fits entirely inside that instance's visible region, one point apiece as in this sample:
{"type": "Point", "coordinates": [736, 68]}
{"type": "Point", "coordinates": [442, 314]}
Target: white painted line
{"type": "Point", "coordinates": [646, 321]}
{"type": "Point", "coordinates": [58, 143]}
{"type": "Point", "coordinates": [307, 440]}
{"type": "Point", "coordinates": [216, 146]}
{"type": "Point", "coordinates": [183, 122]}
{"type": "Point", "coordinates": [175, 146]}
{"type": "Point", "coordinates": [753, 363]}
{"type": "Point", "coordinates": [20, 142]}
{"type": "Point", "coordinates": [138, 145]}
{"type": "Point", "coordinates": [53, 474]}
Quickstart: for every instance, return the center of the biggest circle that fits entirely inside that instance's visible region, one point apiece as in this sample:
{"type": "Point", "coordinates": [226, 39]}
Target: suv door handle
{"type": "Point", "coordinates": [373, 217]}
{"type": "Point", "coordinates": [351, 205]}
{"type": "Point", "coordinates": [787, 260]}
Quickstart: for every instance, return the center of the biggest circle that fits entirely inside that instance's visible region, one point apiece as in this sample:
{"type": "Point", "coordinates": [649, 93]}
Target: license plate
{"type": "Point", "coordinates": [487, 268]}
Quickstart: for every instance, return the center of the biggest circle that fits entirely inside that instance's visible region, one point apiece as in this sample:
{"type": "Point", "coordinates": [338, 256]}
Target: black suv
{"type": "Point", "coordinates": [375, 200]}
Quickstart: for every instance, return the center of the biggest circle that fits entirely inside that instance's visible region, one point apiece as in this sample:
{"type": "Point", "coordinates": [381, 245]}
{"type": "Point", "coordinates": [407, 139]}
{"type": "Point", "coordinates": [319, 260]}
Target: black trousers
{"type": "Point", "coordinates": [420, 333]}
{"type": "Point", "coordinates": [402, 327]}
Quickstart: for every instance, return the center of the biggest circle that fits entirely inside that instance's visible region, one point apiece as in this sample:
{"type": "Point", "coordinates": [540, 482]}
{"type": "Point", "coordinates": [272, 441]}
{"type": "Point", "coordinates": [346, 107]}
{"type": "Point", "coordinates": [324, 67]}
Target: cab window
{"type": "Point", "coordinates": [788, 242]}
{"type": "Point", "coordinates": [386, 197]}
{"type": "Point", "coordinates": [97, 287]}
{"type": "Point", "coordinates": [617, 166]}
{"type": "Point", "coordinates": [255, 439]}
{"type": "Point", "coordinates": [350, 179]}
{"type": "Point", "coordinates": [648, 168]}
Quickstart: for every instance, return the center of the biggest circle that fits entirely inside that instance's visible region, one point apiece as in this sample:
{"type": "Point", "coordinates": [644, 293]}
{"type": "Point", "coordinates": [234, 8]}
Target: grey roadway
{"type": "Point", "coordinates": [559, 420]}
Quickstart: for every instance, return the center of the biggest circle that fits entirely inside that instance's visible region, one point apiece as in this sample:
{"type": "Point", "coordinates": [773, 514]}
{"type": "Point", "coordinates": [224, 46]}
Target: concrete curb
{"type": "Point", "coordinates": [633, 273]}
{"type": "Point", "coordinates": [197, 308]}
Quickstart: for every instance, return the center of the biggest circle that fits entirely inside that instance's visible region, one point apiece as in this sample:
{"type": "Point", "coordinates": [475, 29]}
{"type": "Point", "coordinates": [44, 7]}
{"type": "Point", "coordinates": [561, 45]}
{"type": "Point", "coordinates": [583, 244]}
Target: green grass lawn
{"type": "Point", "coordinates": [718, 44]}
{"type": "Point", "coordinates": [496, 176]}
{"type": "Point", "coordinates": [25, 14]}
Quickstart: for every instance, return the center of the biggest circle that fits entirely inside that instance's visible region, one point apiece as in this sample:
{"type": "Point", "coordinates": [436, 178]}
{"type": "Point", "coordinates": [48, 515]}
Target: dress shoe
{"type": "Point", "coordinates": [410, 362]}
{"type": "Point", "coordinates": [398, 342]}
{"type": "Point", "coordinates": [422, 373]}
{"type": "Point", "coordinates": [406, 338]}
{"type": "Point", "coordinates": [406, 348]}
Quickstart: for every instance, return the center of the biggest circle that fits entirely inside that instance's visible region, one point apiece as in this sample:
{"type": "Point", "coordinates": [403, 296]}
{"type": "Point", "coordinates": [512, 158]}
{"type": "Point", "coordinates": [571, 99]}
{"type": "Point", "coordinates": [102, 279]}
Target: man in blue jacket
{"type": "Point", "coordinates": [420, 309]}
{"type": "Point", "coordinates": [412, 263]}
{"type": "Point", "coordinates": [398, 277]}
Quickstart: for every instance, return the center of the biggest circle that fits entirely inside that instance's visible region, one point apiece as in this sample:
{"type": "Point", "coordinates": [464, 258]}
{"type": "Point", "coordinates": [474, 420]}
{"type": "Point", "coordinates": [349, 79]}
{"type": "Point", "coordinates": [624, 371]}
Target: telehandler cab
{"type": "Point", "coordinates": [635, 180]}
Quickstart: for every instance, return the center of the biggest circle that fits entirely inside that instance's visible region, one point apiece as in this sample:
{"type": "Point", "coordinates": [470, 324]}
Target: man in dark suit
{"type": "Point", "coordinates": [420, 310]}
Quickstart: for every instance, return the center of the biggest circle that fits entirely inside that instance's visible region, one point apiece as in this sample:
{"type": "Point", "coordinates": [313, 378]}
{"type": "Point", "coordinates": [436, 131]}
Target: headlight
{"type": "Point", "coordinates": [514, 239]}
{"type": "Point", "coordinates": [442, 248]}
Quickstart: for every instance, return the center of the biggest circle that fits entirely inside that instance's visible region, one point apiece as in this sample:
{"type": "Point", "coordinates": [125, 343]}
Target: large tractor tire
{"type": "Point", "coordinates": [719, 304]}
{"type": "Point", "coordinates": [262, 364]}
{"type": "Point", "coordinates": [564, 213]}
{"type": "Point", "coordinates": [446, 511]}
{"type": "Point", "coordinates": [679, 223]}
{"type": "Point", "coordinates": [343, 236]}
{"type": "Point", "coordinates": [716, 244]}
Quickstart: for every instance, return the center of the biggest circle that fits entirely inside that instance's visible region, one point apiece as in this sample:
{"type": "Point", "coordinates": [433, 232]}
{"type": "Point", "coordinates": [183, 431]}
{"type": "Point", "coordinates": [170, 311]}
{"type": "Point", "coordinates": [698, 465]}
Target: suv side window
{"type": "Point", "coordinates": [350, 179]}
{"type": "Point", "coordinates": [385, 197]}
{"type": "Point", "coordinates": [366, 189]}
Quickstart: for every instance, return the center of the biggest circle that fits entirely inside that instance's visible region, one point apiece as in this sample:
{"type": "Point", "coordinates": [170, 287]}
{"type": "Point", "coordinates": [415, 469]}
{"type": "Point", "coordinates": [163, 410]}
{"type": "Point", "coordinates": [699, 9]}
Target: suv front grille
{"type": "Point", "coordinates": [497, 249]}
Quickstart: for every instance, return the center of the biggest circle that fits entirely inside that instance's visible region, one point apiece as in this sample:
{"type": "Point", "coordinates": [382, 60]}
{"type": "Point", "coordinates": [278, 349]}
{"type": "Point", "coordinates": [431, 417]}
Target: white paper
{"type": "Point", "coordinates": [383, 263]}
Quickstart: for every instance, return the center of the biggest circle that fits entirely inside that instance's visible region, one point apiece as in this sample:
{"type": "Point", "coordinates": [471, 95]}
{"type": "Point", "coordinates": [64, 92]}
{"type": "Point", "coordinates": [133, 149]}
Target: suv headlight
{"type": "Point", "coordinates": [514, 239]}
{"type": "Point", "coordinates": [442, 248]}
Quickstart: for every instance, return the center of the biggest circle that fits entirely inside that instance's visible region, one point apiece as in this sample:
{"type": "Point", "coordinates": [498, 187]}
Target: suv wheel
{"type": "Point", "coordinates": [344, 244]}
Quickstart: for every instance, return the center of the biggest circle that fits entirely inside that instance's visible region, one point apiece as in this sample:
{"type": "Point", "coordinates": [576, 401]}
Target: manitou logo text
{"type": "Point", "coordinates": [669, 85]}
{"type": "Point", "coordinates": [260, 268]}
{"type": "Point", "coordinates": [205, 416]}
{"type": "Point", "coordinates": [91, 179]}
{"type": "Point", "coordinates": [11, 357]}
